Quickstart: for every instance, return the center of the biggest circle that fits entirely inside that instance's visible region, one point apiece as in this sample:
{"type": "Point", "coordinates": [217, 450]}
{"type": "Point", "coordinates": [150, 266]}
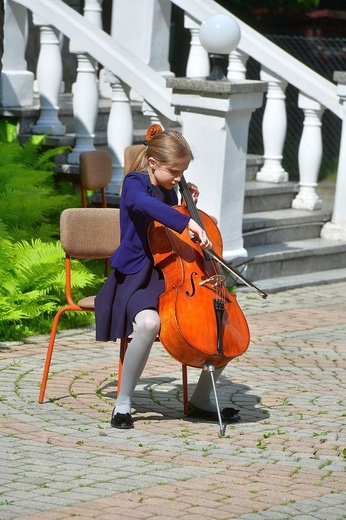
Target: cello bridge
{"type": "Point", "coordinates": [216, 280]}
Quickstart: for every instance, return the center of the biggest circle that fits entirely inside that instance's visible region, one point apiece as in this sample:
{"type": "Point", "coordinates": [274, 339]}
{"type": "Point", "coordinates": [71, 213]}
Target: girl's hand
{"type": "Point", "coordinates": [194, 191]}
{"type": "Point", "coordinates": [198, 234]}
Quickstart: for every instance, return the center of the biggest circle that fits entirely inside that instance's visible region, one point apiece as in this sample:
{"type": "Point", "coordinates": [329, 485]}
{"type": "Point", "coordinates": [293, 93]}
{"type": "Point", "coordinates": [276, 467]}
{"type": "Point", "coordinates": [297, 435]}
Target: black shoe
{"type": "Point", "coordinates": [228, 415]}
{"type": "Point", "coordinates": [122, 421]}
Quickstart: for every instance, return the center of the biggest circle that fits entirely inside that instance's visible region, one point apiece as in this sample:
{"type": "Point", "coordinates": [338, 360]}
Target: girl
{"type": "Point", "coordinates": [130, 294]}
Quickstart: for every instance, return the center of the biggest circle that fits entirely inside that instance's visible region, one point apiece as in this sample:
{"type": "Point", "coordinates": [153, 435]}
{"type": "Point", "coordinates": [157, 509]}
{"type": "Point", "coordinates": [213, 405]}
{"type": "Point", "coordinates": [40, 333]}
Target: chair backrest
{"type": "Point", "coordinates": [90, 232]}
{"type": "Point", "coordinates": [130, 153]}
{"type": "Point", "coordinates": [95, 168]}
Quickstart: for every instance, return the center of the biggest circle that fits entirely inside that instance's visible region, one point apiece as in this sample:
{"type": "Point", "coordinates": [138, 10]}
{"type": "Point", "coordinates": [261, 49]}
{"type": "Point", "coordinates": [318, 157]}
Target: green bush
{"type": "Point", "coordinates": [32, 268]}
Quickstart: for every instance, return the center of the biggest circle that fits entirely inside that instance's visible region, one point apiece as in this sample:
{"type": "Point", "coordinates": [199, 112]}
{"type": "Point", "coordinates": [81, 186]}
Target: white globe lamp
{"type": "Point", "coordinates": [219, 35]}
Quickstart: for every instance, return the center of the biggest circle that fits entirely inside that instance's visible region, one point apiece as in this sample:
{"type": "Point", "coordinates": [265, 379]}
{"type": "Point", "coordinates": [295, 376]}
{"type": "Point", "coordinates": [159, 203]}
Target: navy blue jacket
{"type": "Point", "coordinates": [138, 208]}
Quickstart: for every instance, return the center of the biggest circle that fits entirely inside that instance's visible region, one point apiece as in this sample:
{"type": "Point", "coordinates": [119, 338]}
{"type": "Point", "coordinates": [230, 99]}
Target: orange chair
{"type": "Point", "coordinates": [85, 233]}
{"type": "Point", "coordinates": [130, 153]}
{"type": "Point", "coordinates": [88, 233]}
{"type": "Point", "coordinates": [95, 169]}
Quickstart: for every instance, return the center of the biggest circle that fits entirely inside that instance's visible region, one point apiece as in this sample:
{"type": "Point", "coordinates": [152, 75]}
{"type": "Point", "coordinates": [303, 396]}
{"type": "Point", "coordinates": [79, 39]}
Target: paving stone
{"type": "Point", "coordinates": [284, 460]}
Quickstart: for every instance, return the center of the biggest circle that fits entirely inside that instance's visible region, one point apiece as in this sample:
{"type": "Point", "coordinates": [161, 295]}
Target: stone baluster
{"type": "Point", "coordinates": [49, 78]}
{"type": "Point", "coordinates": [310, 154]}
{"type": "Point", "coordinates": [85, 107]}
{"type": "Point", "coordinates": [93, 11]}
{"type": "Point", "coordinates": [274, 128]}
{"type": "Point", "coordinates": [119, 131]}
{"type": "Point", "coordinates": [336, 229]}
{"type": "Point", "coordinates": [237, 65]}
{"type": "Point", "coordinates": [86, 93]}
{"type": "Point", "coordinates": [198, 60]}
{"type": "Point", "coordinates": [16, 85]}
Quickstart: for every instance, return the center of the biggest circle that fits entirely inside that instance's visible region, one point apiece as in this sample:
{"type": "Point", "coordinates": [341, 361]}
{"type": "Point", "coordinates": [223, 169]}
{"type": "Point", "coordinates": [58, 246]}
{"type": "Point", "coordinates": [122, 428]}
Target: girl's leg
{"type": "Point", "coordinates": [204, 388]}
{"type": "Point", "coordinates": [147, 328]}
{"type": "Point", "coordinates": [200, 404]}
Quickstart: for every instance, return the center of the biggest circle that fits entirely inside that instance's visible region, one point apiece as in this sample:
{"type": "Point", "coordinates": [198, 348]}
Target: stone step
{"type": "Point", "coordinates": [265, 196]}
{"type": "Point", "coordinates": [284, 225]}
{"type": "Point", "coordinates": [293, 258]}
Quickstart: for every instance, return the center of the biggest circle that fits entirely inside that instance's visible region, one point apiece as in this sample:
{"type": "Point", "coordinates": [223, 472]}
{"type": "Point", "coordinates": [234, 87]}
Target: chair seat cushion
{"type": "Point", "coordinates": [87, 303]}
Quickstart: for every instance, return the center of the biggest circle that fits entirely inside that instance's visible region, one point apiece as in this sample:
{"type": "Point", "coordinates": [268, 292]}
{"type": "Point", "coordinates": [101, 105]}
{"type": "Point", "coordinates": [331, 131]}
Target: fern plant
{"type": "Point", "coordinates": [30, 203]}
{"type": "Point", "coordinates": [32, 288]}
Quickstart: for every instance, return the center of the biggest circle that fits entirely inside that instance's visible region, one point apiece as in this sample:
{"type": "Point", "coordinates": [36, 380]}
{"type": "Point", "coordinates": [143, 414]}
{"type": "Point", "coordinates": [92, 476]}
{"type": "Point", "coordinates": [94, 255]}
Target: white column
{"type": "Point", "coordinates": [198, 60]}
{"type": "Point", "coordinates": [274, 128]}
{"type": "Point", "coordinates": [49, 78]}
{"type": "Point", "coordinates": [143, 26]}
{"type": "Point", "coordinates": [310, 154]}
{"type": "Point", "coordinates": [215, 117]}
{"type": "Point", "coordinates": [119, 131]}
{"type": "Point", "coordinates": [86, 93]}
{"type": "Point", "coordinates": [336, 229]}
{"type": "Point", "coordinates": [16, 84]}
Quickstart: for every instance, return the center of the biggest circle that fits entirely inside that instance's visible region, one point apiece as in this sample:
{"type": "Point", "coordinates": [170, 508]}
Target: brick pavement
{"type": "Point", "coordinates": [285, 460]}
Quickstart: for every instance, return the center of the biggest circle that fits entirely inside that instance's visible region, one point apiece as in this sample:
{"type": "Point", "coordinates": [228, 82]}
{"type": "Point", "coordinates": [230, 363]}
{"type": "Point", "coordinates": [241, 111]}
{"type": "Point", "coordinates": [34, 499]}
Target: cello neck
{"type": "Point", "coordinates": [191, 206]}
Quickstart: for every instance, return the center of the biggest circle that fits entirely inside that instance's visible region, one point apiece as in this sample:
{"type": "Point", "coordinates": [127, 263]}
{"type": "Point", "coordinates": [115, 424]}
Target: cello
{"type": "Point", "coordinates": [202, 324]}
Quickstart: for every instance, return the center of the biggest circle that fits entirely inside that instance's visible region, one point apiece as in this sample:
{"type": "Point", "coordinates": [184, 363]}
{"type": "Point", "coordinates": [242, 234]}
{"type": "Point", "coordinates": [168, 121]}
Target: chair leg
{"type": "Point", "coordinates": [106, 268]}
{"type": "Point", "coordinates": [50, 352]}
{"type": "Point", "coordinates": [185, 387]}
{"type": "Point", "coordinates": [123, 346]}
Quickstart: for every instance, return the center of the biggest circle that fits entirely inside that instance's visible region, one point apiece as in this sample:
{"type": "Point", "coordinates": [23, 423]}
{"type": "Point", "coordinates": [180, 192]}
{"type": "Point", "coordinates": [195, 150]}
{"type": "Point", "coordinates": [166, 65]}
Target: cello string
{"type": "Point", "coordinates": [192, 208]}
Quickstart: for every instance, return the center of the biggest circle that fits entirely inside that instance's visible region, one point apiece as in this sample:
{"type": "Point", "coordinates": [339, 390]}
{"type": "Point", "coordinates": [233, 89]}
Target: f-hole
{"type": "Point", "coordinates": [193, 287]}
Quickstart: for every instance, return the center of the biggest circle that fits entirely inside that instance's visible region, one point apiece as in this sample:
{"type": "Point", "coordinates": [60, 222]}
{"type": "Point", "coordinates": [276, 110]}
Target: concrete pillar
{"type": "Point", "coordinates": [143, 27]}
{"type": "Point", "coordinates": [215, 117]}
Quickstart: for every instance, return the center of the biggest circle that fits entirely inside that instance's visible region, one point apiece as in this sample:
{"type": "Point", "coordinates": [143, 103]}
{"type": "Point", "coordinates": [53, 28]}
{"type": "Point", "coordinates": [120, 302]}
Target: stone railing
{"type": "Point", "coordinates": [141, 69]}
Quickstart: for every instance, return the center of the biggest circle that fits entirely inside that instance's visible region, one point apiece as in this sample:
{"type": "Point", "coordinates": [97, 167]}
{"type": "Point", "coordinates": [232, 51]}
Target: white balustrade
{"type": "Point", "coordinates": [336, 229]}
{"type": "Point", "coordinates": [148, 43]}
{"type": "Point", "coordinates": [16, 85]}
{"type": "Point", "coordinates": [310, 154]}
{"type": "Point", "coordinates": [49, 78]}
{"type": "Point", "coordinates": [198, 60]}
{"type": "Point", "coordinates": [119, 131]}
{"type": "Point", "coordinates": [274, 127]}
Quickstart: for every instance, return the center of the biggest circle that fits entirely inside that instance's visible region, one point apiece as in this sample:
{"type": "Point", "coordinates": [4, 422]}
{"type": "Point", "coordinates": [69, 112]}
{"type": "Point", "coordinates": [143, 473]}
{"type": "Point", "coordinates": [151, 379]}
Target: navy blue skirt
{"type": "Point", "coordinates": [122, 297]}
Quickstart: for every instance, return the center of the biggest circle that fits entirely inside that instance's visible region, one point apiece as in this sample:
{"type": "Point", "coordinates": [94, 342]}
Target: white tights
{"type": "Point", "coordinates": [137, 353]}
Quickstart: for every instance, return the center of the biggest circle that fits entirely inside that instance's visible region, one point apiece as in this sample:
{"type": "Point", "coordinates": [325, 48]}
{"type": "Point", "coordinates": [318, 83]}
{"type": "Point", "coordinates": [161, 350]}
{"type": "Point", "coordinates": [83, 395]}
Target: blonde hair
{"type": "Point", "coordinates": [164, 147]}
